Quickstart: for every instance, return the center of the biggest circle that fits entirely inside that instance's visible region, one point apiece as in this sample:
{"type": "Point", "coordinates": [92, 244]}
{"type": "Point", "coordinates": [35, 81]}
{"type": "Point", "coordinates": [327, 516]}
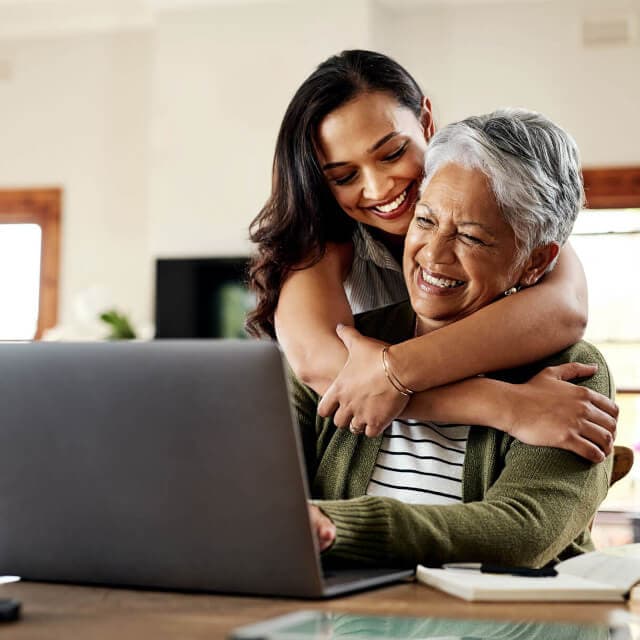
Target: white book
{"type": "Point", "coordinates": [607, 575]}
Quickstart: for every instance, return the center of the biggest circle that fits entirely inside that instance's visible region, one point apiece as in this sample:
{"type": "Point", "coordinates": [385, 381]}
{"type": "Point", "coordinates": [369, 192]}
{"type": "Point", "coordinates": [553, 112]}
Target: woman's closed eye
{"type": "Point", "coordinates": [344, 179]}
{"type": "Point", "coordinates": [398, 153]}
{"type": "Point", "coordinates": [391, 157]}
{"type": "Point", "coordinates": [466, 237]}
{"type": "Point", "coordinates": [424, 221]}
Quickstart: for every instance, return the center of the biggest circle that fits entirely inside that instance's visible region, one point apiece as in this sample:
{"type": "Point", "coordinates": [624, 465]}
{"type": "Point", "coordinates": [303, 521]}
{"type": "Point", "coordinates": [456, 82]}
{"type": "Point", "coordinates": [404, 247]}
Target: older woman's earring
{"type": "Point", "coordinates": [511, 291]}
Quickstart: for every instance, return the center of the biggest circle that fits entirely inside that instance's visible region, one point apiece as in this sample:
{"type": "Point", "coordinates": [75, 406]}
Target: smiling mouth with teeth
{"type": "Point", "coordinates": [443, 283]}
{"type": "Point", "coordinates": [394, 204]}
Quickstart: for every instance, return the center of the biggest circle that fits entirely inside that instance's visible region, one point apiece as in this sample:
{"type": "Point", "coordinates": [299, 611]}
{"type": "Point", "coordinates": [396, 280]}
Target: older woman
{"type": "Point", "coordinates": [499, 200]}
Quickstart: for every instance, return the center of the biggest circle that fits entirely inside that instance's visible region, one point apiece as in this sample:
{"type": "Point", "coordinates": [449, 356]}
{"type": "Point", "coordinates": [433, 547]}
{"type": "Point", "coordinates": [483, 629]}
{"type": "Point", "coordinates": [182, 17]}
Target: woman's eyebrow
{"type": "Point", "coordinates": [424, 205]}
{"type": "Point", "coordinates": [426, 208]}
{"type": "Point", "coordinates": [377, 145]}
{"type": "Point", "coordinates": [333, 165]}
{"type": "Point", "coordinates": [383, 140]}
{"type": "Point", "coordinates": [470, 223]}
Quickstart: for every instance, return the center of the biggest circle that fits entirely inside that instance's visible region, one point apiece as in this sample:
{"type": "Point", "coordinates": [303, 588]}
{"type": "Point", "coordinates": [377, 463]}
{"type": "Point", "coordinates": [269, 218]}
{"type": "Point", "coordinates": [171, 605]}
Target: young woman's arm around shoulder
{"type": "Point", "coordinates": [534, 323]}
{"type": "Point", "coordinates": [311, 303]}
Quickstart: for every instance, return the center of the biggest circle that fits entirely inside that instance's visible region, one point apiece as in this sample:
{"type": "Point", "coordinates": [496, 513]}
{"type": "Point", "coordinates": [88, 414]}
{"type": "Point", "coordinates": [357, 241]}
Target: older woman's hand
{"type": "Point", "coordinates": [361, 397]}
{"type": "Point", "coordinates": [550, 411]}
{"type": "Point", "coordinates": [323, 528]}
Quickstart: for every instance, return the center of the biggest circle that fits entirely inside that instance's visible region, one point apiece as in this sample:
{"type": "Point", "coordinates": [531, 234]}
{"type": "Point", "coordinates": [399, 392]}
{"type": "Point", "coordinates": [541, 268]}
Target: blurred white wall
{"type": "Point", "coordinates": [74, 112]}
{"type": "Point", "coordinates": [221, 82]}
{"type": "Point", "coordinates": [472, 58]}
{"type": "Point", "coordinates": [162, 133]}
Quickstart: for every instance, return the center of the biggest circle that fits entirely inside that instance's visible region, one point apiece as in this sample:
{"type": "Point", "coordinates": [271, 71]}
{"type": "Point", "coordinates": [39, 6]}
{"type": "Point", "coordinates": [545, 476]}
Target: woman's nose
{"type": "Point", "coordinates": [376, 185]}
{"type": "Point", "coordinates": [438, 249]}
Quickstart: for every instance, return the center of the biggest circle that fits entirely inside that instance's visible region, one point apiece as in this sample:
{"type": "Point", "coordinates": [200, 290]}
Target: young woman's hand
{"type": "Point", "coordinates": [361, 398]}
{"type": "Point", "coordinates": [550, 411]}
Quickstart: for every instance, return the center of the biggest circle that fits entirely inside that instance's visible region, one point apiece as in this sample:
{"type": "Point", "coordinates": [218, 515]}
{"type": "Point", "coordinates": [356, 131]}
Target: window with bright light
{"type": "Point", "coordinates": [29, 261]}
{"type": "Point", "coordinates": [608, 243]}
{"type": "Point", "coordinates": [20, 246]}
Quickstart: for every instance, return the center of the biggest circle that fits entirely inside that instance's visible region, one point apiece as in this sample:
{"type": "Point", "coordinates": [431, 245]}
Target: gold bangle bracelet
{"type": "Point", "coordinates": [391, 377]}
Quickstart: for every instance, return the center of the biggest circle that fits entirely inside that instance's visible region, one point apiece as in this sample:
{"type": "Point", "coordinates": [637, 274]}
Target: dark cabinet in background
{"type": "Point", "coordinates": [201, 297]}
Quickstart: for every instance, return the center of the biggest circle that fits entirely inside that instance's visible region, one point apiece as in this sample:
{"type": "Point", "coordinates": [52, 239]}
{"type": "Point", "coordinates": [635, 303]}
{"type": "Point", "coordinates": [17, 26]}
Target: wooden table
{"type": "Point", "coordinates": [67, 611]}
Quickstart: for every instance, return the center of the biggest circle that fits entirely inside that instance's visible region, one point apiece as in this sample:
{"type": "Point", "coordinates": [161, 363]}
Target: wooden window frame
{"type": "Point", "coordinates": [612, 188]}
{"type": "Point", "coordinates": [42, 207]}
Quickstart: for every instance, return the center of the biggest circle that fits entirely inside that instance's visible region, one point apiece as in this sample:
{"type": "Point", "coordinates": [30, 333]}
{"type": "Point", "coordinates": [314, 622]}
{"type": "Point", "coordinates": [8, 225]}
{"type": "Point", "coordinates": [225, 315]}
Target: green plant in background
{"type": "Point", "coordinates": [231, 305]}
{"type": "Point", "coordinates": [119, 324]}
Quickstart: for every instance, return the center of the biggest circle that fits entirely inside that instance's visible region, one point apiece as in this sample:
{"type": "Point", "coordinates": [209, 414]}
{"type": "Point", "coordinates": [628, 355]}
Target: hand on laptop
{"type": "Point", "coordinates": [323, 527]}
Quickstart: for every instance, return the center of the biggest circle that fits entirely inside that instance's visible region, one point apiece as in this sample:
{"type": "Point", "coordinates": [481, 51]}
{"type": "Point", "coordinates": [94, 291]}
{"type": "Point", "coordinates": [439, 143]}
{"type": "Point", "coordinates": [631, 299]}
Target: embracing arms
{"type": "Point", "coordinates": [537, 322]}
{"type": "Point", "coordinates": [546, 411]}
{"type": "Point", "coordinates": [313, 300]}
{"type": "Point", "coordinates": [521, 328]}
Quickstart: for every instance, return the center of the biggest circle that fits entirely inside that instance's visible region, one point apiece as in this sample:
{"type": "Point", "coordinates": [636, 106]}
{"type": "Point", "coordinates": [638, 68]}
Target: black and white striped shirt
{"type": "Point", "coordinates": [420, 463]}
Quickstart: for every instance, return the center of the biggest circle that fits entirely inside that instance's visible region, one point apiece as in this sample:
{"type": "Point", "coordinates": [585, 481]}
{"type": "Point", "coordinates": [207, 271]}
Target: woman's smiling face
{"type": "Point", "coordinates": [372, 151]}
{"type": "Point", "coordinates": [459, 254]}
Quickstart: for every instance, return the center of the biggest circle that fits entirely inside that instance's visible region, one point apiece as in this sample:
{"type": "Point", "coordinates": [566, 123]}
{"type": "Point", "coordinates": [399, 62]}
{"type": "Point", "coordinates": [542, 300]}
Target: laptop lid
{"type": "Point", "coordinates": [166, 464]}
{"type": "Point", "coordinates": [160, 464]}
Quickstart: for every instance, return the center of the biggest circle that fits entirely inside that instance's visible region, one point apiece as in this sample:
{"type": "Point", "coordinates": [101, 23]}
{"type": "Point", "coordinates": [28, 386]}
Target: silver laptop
{"type": "Point", "coordinates": [166, 464]}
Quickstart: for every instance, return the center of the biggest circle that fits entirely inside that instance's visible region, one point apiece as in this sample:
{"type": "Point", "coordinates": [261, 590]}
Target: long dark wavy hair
{"type": "Point", "coordinates": [301, 215]}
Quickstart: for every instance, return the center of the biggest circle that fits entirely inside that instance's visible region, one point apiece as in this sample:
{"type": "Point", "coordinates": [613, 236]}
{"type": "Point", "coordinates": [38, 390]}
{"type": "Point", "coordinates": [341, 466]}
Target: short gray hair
{"type": "Point", "coordinates": [533, 167]}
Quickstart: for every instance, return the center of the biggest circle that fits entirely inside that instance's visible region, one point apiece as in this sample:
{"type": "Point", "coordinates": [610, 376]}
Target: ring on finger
{"type": "Point", "coordinates": [355, 429]}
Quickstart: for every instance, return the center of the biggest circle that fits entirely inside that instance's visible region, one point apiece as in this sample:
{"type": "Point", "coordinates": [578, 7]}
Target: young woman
{"type": "Point", "coordinates": [347, 171]}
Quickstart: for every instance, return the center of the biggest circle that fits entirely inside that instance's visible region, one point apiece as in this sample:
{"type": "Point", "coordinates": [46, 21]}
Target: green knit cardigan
{"type": "Point", "coordinates": [521, 505]}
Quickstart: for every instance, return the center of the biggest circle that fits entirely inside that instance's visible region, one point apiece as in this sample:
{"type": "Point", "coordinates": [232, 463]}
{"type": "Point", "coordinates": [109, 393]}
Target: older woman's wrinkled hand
{"type": "Point", "coordinates": [323, 528]}
{"type": "Point", "coordinates": [361, 397]}
{"type": "Point", "coordinates": [550, 411]}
